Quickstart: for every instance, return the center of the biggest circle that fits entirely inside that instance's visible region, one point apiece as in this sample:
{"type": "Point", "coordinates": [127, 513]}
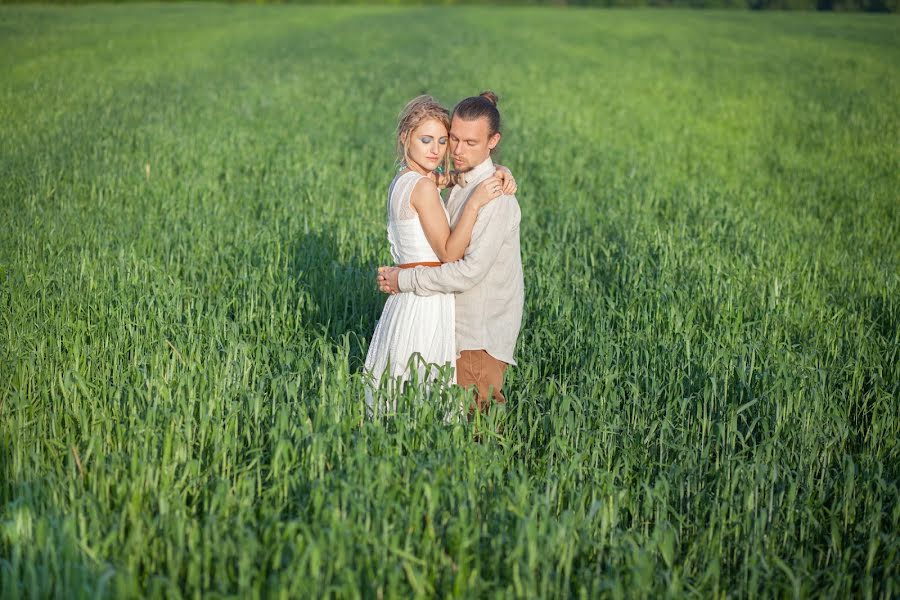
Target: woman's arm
{"type": "Point", "coordinates": [450, 245]}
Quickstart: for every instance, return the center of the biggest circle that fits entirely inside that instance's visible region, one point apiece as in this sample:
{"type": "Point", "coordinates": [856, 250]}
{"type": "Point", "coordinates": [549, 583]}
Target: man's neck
{"type": "Point", "coordinates": [476, 172]}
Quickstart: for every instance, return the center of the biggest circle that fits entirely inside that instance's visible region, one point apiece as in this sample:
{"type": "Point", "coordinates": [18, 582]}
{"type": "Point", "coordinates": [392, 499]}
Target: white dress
{"type": "Point", "coordinates": [410, 324]}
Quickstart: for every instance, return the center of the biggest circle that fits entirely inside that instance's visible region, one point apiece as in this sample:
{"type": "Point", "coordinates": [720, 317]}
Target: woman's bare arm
{"type": "Point", "coordinates": [450, 245]}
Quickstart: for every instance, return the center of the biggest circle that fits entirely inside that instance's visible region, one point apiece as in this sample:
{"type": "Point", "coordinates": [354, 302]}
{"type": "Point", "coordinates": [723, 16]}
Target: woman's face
{"type": "Point", "coordinates": [427, 146]}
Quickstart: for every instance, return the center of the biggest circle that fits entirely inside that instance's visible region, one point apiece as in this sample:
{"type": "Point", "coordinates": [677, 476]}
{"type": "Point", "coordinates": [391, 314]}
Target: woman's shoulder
{"type": "Point", "coordinates": [402, 182]}
{"type": "Point", "coordinates": [423, 191]}
{"type": "Point", "coordinates": [424, 187]}
{"type": "Point", "coordinates": [425, 182]}
{"type": "Point", "coordinates": [411, 178]}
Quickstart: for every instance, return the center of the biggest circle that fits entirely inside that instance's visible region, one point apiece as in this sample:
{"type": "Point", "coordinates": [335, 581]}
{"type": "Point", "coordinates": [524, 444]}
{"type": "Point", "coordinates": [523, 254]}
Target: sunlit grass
{"type": "Point", "coordinates": [706, 402]}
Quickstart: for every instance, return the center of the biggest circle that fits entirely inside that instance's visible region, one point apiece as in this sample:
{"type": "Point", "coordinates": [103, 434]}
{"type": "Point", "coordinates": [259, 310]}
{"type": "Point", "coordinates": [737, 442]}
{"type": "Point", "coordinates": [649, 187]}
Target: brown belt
{"type": "Point", "coordinates": [418, 264]}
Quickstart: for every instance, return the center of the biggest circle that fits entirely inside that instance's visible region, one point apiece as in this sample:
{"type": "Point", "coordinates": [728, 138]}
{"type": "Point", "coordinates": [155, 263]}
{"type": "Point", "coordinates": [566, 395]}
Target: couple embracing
{"type": "Point", "coordinates": [456, 291]}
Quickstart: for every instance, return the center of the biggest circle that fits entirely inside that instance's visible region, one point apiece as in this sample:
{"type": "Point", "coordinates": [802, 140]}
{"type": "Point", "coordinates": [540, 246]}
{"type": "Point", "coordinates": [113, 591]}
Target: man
{"type": "Point", "coordinates": [488, 280]}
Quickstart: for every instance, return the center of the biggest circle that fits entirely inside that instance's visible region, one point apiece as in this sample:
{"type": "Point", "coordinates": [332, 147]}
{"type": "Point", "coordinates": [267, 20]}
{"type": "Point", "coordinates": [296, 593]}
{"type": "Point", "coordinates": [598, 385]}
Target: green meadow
{"type": "Point", "coordinates": [707, 401]}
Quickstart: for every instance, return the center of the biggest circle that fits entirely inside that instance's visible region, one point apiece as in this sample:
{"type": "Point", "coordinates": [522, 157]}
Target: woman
{"type": "Point", "coordinates": [418, 332]}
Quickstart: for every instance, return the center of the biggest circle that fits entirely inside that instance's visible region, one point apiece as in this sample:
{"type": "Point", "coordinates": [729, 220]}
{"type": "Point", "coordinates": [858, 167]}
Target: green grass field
{"type": "Point", "coordinates": [192, 209]}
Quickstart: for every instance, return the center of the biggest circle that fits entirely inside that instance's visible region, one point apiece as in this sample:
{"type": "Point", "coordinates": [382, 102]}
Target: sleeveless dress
{"type": "Point", "coordinates": [410, 324]}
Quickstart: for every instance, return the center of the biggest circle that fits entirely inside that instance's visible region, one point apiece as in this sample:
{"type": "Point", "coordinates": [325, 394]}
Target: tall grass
{"type": "Point", "coordinates": [706, 402]}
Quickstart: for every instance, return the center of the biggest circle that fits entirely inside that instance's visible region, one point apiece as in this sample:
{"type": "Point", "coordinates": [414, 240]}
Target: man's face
{"type": "Point", "coordinates": [470, 143]}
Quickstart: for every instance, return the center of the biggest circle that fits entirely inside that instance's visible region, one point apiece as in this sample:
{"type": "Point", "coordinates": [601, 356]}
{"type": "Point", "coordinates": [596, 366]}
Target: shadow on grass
{"type": "Point", "coordinates": [338, 297]}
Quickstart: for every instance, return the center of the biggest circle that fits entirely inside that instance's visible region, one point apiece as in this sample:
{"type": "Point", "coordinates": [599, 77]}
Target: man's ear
{"type": "Point", "coordinates": [493, 141]}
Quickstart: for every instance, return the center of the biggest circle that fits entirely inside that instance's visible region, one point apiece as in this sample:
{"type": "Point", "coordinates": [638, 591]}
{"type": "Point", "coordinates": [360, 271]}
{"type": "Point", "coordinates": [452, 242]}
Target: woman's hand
{"type": "Point", "coordinates": [507, 180]}
{"type": "Point", "coordinates": [485, 192]}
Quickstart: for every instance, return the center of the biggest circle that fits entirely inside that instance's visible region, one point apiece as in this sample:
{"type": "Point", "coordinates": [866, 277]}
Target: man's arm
{"type": "Point", "coordinates": [494, 223]}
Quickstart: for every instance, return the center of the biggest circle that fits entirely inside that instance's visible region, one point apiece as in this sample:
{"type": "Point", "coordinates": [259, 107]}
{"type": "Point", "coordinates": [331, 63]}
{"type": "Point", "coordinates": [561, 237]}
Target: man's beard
{"type": "Point", "coordinates": [463, 169]}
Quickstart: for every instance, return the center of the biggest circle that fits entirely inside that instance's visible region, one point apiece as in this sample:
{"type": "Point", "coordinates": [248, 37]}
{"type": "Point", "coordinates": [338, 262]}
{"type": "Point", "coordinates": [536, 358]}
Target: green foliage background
{"type": "Point", "coordinates": [880, 6]}
{"type": "Point", "coordinates": [192, 208]}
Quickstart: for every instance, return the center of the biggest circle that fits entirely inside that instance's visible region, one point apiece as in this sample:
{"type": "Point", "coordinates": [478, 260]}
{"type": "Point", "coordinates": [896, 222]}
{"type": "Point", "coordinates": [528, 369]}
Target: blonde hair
{"type": "Point", "coordinates": [417, 111]}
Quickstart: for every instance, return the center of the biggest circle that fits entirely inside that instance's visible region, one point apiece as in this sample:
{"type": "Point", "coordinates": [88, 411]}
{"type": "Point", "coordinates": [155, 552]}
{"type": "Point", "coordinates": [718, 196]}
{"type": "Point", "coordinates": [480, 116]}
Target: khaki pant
{"type": "Point", "coordinates": [478, 368]}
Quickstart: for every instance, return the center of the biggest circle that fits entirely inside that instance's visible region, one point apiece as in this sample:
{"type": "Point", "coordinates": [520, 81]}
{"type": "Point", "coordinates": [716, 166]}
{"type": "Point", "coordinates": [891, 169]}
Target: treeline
{"type": "Point", "coordinates": [822, 5]}
{"type": "Point", "coordinates": [882, 6]}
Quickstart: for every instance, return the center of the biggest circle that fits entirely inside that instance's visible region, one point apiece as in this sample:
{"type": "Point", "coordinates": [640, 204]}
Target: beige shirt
{"type": "Point", "coordinates": [487, 281]}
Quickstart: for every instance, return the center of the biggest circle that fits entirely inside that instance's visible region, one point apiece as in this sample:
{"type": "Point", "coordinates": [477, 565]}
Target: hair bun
{"type": "Point", "coordinates": [490, 97]}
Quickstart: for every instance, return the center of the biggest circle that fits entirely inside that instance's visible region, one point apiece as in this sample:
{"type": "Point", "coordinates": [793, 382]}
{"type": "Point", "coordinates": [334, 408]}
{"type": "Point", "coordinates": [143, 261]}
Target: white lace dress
{"type": "Point", "coordinates": [410, 324]}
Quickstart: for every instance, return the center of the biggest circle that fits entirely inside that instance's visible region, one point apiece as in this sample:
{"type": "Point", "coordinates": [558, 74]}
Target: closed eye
{"type": "Point", "coordinates": [442, 141]}
{"type": "Point", "coordinates": [426, 139]}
